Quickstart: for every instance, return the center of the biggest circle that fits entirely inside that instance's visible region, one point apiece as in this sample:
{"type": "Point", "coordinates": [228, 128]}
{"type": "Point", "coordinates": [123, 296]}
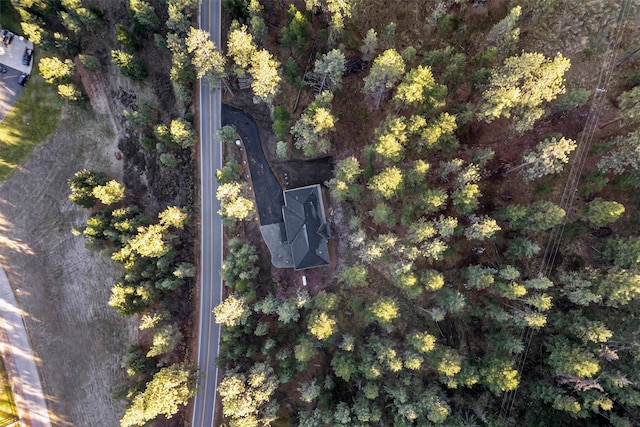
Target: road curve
{"type": "Point", "coordinates": [210, 232]}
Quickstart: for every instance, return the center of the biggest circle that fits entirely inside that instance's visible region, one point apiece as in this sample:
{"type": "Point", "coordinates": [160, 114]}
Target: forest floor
{"type": "Point", "coordinates": [63, 287]}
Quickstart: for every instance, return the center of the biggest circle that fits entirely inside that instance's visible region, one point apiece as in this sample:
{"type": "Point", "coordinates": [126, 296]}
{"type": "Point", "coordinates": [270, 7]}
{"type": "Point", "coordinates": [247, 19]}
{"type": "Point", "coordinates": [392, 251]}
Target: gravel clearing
{"type": "Point", "coordinates": [62, 286]}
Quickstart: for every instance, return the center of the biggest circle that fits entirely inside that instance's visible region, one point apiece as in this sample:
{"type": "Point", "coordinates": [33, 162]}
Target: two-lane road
{"type": "Point", "coordinates": [210, 232]}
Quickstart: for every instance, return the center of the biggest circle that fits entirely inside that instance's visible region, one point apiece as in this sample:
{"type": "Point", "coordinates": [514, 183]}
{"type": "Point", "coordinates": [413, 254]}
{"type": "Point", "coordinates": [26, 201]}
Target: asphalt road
{"type": "Point", "coordinates": [211, 233]}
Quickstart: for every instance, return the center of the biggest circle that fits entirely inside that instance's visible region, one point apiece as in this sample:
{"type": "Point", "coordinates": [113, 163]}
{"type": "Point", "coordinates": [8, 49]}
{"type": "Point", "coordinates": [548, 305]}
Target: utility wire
{"type": "Point", "coordinates": [573, 180]}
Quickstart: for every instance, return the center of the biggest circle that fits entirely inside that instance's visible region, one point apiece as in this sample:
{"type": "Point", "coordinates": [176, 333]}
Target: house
{"type": "Point", "coordinates": [306, 228]}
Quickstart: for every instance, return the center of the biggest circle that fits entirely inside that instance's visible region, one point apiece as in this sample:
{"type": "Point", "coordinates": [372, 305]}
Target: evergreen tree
{"type": "Point", "coordinates": [297, 33]}
{"type": "Point", "coordinates": [82, 184]}
{"type": "Point", "coordinates": [311, 129]}
{"type": "Point", "coordinates": [143, 14]}
{"type": "Point", "coordinates": [387, 183]}
{"type": "Point", "coordinates": [233, 311]}
{"type": "Point", "coordinates": [599, 213]}
{"type": "Point", "coordinates": [623, 154]}
{"type": "Point", "coordinates": [549, 157]}
{"type": "Point", "coordinates": [327, 71]}
{"type": "Point", "coordinates": [505, 34]}
{"type": "Point", "coordinates": [208, 61]}
{"type": "Point", "coordinates": [56, 71]}
{"type": "Point", "coordinates": [419, 87]}
{"type": "Point", "coordinates": [128, 65]}
{"type": "Point", "coordinates": [385, 72]}
{"type": "Point", "coordinates": [521, 86]}
{"type": "Point", "coordinates": [247, 398]}
{"type": "Point", "coordinates": [370, 43]}
{"type": "Point", "coordinates": [265, 75]}
{"type": "Point", "coordinates": [234, 205]}
{"type": "Point", "coordinates": [169, 389]}
{"type": "Point", "coordinates": [241, 48]}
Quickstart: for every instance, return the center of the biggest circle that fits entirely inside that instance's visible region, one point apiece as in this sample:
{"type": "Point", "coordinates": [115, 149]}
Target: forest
{"type": "Point", "coordinates": [484, 215]}
{"type": "Point", "coordinates": [483, 206]}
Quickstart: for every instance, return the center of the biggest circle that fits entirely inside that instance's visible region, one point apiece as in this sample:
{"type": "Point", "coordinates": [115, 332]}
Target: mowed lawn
{"type": "Point", "coordinates": [8, 413]}
{"type": "Point", "coordinates": [35, 115]}
{"type": "Point", "coordinates": [33, 118]}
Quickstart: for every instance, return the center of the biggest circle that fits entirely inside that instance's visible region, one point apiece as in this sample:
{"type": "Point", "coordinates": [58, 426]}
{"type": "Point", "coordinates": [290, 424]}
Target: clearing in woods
{"type": "Point", "coordinates": [64, 287]}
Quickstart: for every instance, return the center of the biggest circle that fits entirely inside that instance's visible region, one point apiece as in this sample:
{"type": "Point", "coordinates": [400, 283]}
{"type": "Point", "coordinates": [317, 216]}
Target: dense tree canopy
{"type": "Point", "coordinates": [170, 388]}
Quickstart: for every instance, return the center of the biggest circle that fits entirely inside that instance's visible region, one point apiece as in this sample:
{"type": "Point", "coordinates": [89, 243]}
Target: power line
{"type": "Point", "coordinates": [573, 180]}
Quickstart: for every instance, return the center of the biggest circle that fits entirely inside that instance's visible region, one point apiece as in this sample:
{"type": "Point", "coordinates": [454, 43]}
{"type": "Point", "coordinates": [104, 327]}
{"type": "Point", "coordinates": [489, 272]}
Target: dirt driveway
{"type": "Point", "coordinates": [63, 287]}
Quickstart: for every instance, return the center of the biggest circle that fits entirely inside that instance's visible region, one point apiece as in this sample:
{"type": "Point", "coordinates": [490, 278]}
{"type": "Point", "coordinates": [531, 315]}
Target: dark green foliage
{"type": "Point", "coordinates": [593, 184]}
{"type": "Point", "coordinates": [226, 134]}
{"type": "Point", "coordinates": [82, 184]}
{"type": "Point", "coordinates": [144, 15]}
{"type": "Point", "coordinates": [448, 65]}
{"type": "Point", "coordinates": [623, 252]}
{"type": "Point", "coordinates": [237, 9]}
{"type": "Point", "coordinates": [126, 38]}
{"type": "Point", "coordinates": [239, 266]}
{"type": "Point", "coordinates": [90, 62]}
{"type": "Point", "coordinates": [297, 33]}
{"type": "Point", "coordinates": [521, 247]}
{"type": "Point", "coordinates": [415, 259]}
{"type": "Point", "coordinates": [143, 116]}
{"type": "Point", "coordinates": [535, 218]}
{"type": "Point", "coordinates": [168, 160]}
{"type": "Point", "coordinates": [128, 65]}
{"type": "Point", "coordinates": [230, 172]}
{"type": "Point", "coordinates": [571, 100]}
{"type": "Point", "coordinates": [599, 212]}
{"type": "Point", "coordinates": [291, 72]}
{"type": "Point", "coordinates": [281, 118]}
{"type": "Point", "coordinates": [147, 142]}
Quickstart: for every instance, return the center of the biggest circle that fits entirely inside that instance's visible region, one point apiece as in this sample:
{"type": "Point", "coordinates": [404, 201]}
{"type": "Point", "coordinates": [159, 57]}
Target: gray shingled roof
{"type": "Point", "coordinates": [306, 227]}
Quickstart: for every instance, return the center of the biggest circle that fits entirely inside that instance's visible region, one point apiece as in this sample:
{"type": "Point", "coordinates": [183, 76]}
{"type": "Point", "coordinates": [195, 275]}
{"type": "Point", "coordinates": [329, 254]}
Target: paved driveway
{"type": "Point", "coordinates": [12, 55]}
{"type": "Point", "coordinates": [267, 189]}
{"type": "Point", "coordinates": [10, 90]}
{"type": "Point", "coordinates": [11, 58]}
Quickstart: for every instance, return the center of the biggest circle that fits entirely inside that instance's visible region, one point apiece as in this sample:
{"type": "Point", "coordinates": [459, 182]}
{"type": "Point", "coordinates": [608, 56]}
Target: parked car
{"type": "Point", "coordinates": [3, 69]}
{"type": "Point", "coordinates": [7, 39]}
{"type": "Point", "coordinates": [22, 80]}
{"type": "Point", "coordinates": [26, 58]}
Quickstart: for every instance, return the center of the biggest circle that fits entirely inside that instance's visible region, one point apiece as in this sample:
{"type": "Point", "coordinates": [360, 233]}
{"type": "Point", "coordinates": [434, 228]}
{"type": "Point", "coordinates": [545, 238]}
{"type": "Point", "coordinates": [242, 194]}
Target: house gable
{"type": "Point", "coordinates": [306, 227]}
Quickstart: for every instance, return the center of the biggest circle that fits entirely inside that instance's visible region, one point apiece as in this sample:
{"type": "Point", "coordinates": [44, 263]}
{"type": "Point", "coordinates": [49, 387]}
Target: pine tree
{"type": "Point", "coordinates": [385, 72]}
{"type": "Point", "coordinates": [207, 59]}
{"type": "Point", "coordinates": [265, 75]}
{"type": "Point", "coordinates": [418, 87]}
{"type": "Point", "coordinates": [387, 183]}
{"type": "Point", "coordinates": [327, 71]}
{"type": "Point", "coordinates": [521, 86]}
{"type": "Point", "coordinates": [599, 212]}
{"type": "Point", "coordinates": [505, 34]}
{"type": "Point", "coordinates": [311, 129]}
{"type": "Point", "coordinates": [370, 43]}
{"type": "Point", "coordinates": [549, 157]}
{"type": "Point", "coordinates": [170, 388]}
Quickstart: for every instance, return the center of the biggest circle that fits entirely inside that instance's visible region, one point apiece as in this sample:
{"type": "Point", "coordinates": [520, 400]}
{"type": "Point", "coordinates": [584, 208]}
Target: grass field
{"type": "Point", "coordinates": [8, 413]}
{"type": "Point", "coordinates": [33, 117]}
{"type": "Point", "coordinates": [30, 121]}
